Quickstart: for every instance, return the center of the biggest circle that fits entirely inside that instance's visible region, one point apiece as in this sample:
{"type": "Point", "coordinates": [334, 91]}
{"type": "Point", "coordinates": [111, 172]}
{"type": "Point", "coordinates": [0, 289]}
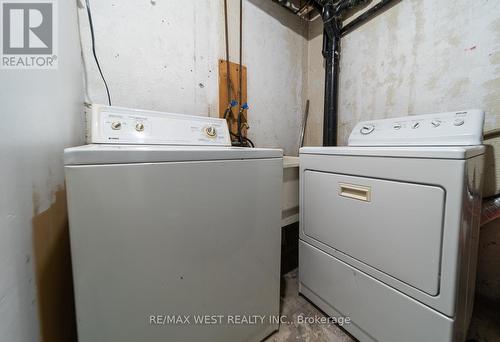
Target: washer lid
{"type": "Point", "coordinates": [435, 152]}
{"type": "Point", "coordinates": [125, 154]}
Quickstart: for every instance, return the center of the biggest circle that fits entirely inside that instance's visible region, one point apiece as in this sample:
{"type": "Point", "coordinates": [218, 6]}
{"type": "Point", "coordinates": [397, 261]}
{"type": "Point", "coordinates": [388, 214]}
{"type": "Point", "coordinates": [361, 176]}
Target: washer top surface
{"type": "Point", "coordinates": [434, 152]}
{"type": "Point", "coordinates": [124, 154]}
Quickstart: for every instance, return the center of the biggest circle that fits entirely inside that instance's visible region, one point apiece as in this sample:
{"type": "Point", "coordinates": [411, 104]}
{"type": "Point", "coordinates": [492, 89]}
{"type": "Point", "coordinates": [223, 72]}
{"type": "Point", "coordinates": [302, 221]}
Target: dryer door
{"type": "Point", "coordinates": [394, 227]}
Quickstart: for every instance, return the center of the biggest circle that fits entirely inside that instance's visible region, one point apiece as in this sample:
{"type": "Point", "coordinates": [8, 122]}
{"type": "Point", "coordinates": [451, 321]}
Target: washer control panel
{"type": "Point", "coordinates": [442, 129]}
{"type": "Point", "coordinates": [116, 125]}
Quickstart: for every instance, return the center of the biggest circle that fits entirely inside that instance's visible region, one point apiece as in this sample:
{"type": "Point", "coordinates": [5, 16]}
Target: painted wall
{"type": "Point", "coordinates": [163, 56]}
{"type": "Point", "coordinates": [40, 113]}
{"type": "Point", "coordinates": [315, 90]}
{"type": "Point", "coordinates": [276, 55]}
{"type": "Point", "coordinates": [420, 56]}
{"type": "Point", "coordinates": [423, 57]}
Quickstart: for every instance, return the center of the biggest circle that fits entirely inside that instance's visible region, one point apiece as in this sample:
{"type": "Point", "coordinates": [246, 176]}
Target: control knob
{"type": "Point", "coordinates": [435, 123]}
{"type": "Point", "coordinates": [367, 129]}
{"type": "Point", "coordinates": [116, 125]}
{"type": "Point", "coordinates": [211, 131]}
{"type": "Point", "coordinates": [139, 127]}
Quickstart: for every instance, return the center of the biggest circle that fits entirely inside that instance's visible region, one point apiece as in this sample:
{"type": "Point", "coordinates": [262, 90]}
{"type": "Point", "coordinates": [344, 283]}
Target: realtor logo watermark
{"type": "Point", "coordinates": [29, 34]}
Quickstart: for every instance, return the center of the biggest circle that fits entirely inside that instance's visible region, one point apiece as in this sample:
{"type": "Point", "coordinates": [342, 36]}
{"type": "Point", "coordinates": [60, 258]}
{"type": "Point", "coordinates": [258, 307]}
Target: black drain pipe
{"type": "Point", "coordinates": [331, 53]}
{"type": "Point", "coordinates": [331, 13]}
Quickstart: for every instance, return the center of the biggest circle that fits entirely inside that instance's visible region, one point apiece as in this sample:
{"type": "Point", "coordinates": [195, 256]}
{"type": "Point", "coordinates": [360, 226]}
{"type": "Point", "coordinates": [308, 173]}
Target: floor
{"type": "Point", "coordinates": [485, 325]}
{"type": "Point", "coordinates": [293, 306]}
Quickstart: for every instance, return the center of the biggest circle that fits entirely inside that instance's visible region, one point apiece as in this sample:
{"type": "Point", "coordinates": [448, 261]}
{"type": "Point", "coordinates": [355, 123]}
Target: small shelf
{"type": "Point", "coordinates": [289, 161]}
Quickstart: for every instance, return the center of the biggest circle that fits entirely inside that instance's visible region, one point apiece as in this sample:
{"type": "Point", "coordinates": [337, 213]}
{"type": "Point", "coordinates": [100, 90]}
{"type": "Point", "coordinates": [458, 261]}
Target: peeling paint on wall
{"type": "Point", "coordinates": [33, 135]}
{"type": "Point", "coordinates": [53, 272]}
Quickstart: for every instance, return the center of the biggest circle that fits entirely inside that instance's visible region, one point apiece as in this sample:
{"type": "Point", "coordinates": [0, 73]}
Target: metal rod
{"type": "Point", "coordinates": [240, 75]}
{"type": "Point", "coordinates": [241, 53]}
{"type": "Point", "coordinates": [228, 76]}
{"type": "Point", "coordinates": [494, 133]}
{"type": "Point", "coordinates": [304, 124]}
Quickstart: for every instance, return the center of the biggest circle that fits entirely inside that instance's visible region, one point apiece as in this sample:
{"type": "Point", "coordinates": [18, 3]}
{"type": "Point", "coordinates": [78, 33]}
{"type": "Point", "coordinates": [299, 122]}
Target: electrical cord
{"type": "Point", "coordinates": [249, 141]}
{"type": "Point", "coordinates": [91, 23]}
{"type": "Point", "coordinates": [245, 139]}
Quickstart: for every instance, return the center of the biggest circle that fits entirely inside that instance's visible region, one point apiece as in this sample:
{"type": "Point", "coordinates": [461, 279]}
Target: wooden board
{"type": "Point", "coordinates": [234, 85]}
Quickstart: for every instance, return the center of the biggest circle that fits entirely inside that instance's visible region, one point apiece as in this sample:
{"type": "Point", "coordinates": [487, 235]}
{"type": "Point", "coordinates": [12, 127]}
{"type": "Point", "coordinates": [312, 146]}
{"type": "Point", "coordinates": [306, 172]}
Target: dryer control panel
{"type": "Point", "coordinates": [116, 125]}
{"type": "Point", "coordinates": [460, 128]}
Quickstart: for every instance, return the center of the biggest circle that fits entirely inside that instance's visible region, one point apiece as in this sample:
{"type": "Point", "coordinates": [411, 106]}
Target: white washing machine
{"type": "Point", "coordinates": [390, 224]}
{"type": "Point", "coordinates": [168, 223]}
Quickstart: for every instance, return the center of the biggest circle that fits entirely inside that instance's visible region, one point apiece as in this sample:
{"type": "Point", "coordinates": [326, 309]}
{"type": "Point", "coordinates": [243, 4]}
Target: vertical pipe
{"type": "Point", "coordinates": [331, 53]}
{"type": "Point", "coordinates": [240, 77]}
{"type": "Point", "coordinates": [228, 75]}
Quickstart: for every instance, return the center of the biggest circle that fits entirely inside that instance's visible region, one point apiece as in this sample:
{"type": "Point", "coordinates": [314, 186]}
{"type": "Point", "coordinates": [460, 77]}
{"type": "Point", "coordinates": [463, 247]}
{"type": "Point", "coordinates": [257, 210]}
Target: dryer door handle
{"type": "Point", "coordinates": [357, 192]}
